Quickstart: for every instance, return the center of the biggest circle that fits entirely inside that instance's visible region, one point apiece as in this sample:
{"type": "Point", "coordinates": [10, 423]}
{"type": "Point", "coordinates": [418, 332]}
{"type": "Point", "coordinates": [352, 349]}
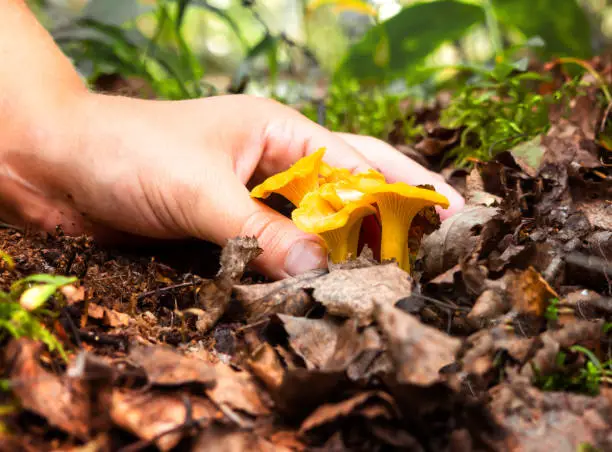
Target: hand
{"type": "Point", "coordinates": [178, 169]}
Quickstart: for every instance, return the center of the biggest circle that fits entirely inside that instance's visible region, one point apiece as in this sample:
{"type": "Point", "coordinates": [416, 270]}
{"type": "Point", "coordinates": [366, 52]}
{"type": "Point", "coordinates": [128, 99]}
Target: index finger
{"type": "Point", "coordinates": [396, 167]}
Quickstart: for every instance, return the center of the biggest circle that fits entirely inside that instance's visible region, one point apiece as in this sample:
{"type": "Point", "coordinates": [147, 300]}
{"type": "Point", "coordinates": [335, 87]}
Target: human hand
{"type": "Point", "coordinates": [179, 169]}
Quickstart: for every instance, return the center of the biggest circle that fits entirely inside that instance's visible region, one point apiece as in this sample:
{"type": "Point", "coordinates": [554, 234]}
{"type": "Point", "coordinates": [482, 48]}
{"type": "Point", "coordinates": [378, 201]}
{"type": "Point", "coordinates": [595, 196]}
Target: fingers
{"type": "Point", "coordinates": [288, 136]}
{"type": "Point", "coordinates": [398, 168]}
{"type": "Point", "coordinates": [287, 251]}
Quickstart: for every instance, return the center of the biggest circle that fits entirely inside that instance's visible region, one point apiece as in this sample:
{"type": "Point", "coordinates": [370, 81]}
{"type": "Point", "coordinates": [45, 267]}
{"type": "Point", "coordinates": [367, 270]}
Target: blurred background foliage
{"type": "Point", "coordinates": [359, 58]}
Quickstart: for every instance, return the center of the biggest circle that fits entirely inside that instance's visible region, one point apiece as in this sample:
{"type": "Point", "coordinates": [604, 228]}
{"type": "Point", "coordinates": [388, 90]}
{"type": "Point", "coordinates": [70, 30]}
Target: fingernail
{"type": "Point", "coordinates": [304, 256]}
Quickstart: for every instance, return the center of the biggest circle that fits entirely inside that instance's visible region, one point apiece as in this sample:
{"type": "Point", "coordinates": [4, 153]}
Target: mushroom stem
{"type": "Point", "coordinates": [343, 242]}
{"type": "Point", "coordinates": [396, 218]}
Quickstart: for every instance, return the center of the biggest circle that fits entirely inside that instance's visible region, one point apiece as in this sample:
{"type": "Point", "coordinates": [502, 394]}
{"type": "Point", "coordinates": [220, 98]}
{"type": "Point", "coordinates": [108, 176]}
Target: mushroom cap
{"type": "Point", "coordinates": [317, 215]}
{"type": "Point", "coordinates": [303, 175]}
{"type": "Point", "coordinates": [346, 191]}
{"type": "Point", "coordinates": [404, 190]}
{"type": "Point", "coordinates": [329, 173]}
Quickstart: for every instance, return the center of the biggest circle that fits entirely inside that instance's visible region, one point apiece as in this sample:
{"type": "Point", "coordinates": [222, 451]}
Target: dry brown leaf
{"type": "Point", "coordinates": [214, 296]}
{"type": "Point", "coordinates": [488, 306]}
{"type": "Point", "coordinates": [281, 297]}
{"type": "Point", "coordinates": [359, 406]}
{"type": "Point", "coordinates": [354, 293]}
{"type": "Point", "coordinates": [545, 361]}
{"type": "Point", "coordinates": [314, 340]}
{"type": "Point", "coordinates": [598, 212]}
{"type": "Point", "coordinates": [63, 402]}
{"type": "Point", "coordinates": [475, 193]}
{"type": "Point", "coordinates": [165, 366]}
{"type": "Point", "coordinates": [417, 350]}
{"type": "Point", "coordinates": [73, 294]}
{"type": "Point", "coordinates": [529, 293]}
{"type": "Point", "coordinates": [552, 421]}
{"type": "Point", "coordinates": [347, 292]}
{"type": "Point", "coordinates": [225, 440]}
{"type": "Point", "coordinates": [237, 390]}
{"type": "Point", "coordinates": [265, 365]}
{"type": "Point", "coordinates": [303, 390]}
{"type": "Point", "coordinates": [455, 239]}
{"type": "Point", "coordinates": [158, 417]}
{"type": "Point", "coordinates": [109, 317]}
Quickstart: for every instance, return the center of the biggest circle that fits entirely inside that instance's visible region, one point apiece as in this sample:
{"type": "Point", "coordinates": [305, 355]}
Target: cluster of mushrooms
{"type": "Point", "coordinates": [332, 203]}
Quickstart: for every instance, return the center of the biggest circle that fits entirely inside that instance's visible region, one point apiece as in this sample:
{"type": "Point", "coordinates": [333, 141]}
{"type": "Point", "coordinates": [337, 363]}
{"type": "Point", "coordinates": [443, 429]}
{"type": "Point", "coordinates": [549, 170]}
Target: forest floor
{"type": "Point", "coordinates": [500, 340]}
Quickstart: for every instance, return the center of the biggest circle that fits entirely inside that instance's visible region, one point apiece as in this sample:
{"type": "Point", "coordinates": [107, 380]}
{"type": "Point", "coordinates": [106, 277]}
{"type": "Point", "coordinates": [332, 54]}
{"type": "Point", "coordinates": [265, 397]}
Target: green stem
{"type": "Point", "coordinates": [492, 27]}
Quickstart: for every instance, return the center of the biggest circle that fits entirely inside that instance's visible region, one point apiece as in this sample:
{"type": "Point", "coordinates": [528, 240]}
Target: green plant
{"type": "Point", "coordinates": [552, 310]}
{"type": "Point", "coordinates": [586, 379]}
{"type": "Point", "coordinates": [499, 108]}
{"type": "Point", "coordinates": [349, 108]}
{"type": "Point", "coordinates": [22, 312]}
{"type": "Point", "coordinates": [99, 47]}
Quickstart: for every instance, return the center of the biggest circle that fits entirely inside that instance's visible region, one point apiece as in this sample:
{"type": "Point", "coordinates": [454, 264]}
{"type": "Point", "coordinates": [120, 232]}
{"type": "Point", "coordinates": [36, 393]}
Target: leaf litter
{"type": "Point", "coordinates": [500, 340]}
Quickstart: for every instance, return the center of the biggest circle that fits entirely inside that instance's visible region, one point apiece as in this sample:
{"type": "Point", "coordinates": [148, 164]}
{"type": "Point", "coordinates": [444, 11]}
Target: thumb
{"type": "Point", "coordinates": [287, 251]}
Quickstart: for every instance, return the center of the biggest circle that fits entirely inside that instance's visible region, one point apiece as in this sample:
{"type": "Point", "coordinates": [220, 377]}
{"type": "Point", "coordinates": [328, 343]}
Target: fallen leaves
{"type": "Point", "coordinates": [214, 296]}
{"type": "Point", "coordinates": [160, 418]}
{"type": "Point", "coordinates": [456, 239]}
{"type": "Point", "coordinates": [164, 366]}
{"type": "Point", "coordinates": [418, 351]}
{"type": "Point", "coordinates": [347, 292]}
{"type": "Point", "coordinates": [64, 402]}
{"type": "Point", "coordinates": [529, 293]}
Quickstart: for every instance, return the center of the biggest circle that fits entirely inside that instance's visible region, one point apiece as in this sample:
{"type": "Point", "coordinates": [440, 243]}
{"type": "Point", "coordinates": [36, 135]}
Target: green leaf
{"type": "Point", "coordinates": [529, 154]}
{"type": "Point", "coordinates": [412, 35]}
{"type": "Point", "coordinates": [55, 280]}
{"type": "Point", "coordinates": [561, 24]}
{"type": "Point", "coordinates": [180, 13]}
{"type": "Point", "coordinates": [34, 297]}
{"type": "Point", "coordinates": [115, 12]}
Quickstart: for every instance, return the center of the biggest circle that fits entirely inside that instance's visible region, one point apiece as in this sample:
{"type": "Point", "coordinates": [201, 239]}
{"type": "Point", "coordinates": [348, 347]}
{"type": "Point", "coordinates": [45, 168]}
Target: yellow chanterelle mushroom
{"type": "Point", "coordinates": [338, 228]}
{"type": "Point", "coordinates": [398, 204]}
{"type": "Point", "coordinates": [294, 183]}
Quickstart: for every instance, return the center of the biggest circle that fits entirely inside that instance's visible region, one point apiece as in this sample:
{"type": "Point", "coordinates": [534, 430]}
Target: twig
{"type": "Point", "coordinates": [144, 295]}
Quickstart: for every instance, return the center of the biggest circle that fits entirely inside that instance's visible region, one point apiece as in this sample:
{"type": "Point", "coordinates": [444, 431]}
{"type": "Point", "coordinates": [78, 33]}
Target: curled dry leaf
{"type": "Point", "coordinates": [214, 296]}
{"type": "Point", "coordinates": [165, 366]}
{"type": "Point", "coordinates": [598, 212]}
{"type": "Point", "coordinates": [265, 365]}
{"type": "Point", "coordinates": [417, 350]}
{"type": "Point", "coordinates": [475, 193]}
{"type": "Point", "coordinates": [281, 297]}
{"type": "Point", "coordinates": [456, 239]}
{"type": "Point", "coordinates": [108, 317]}
{"type": "Point", "coordinates": [159, 417]}
{"type": "Point", "coordinates": [370, 405]}
{"type": "Point", "coordinates": [237, 390]}
{"type": "Point", "coordinates": [349, 292]}
{"type": "Point", "coordinates": [488, 306]}
{"type": "Point", "coordinates": [73, 294]}
{"type": "Point", "coordinates": [63, 402]}
{"type": "Point", "coordinates": [354, 293]}
{"type": "Point", "coordinates": [529, 293]}
{"type": "Point", "coordinates": [314, 340]}
{"type": "Point", "coordinates": [484, 345]}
